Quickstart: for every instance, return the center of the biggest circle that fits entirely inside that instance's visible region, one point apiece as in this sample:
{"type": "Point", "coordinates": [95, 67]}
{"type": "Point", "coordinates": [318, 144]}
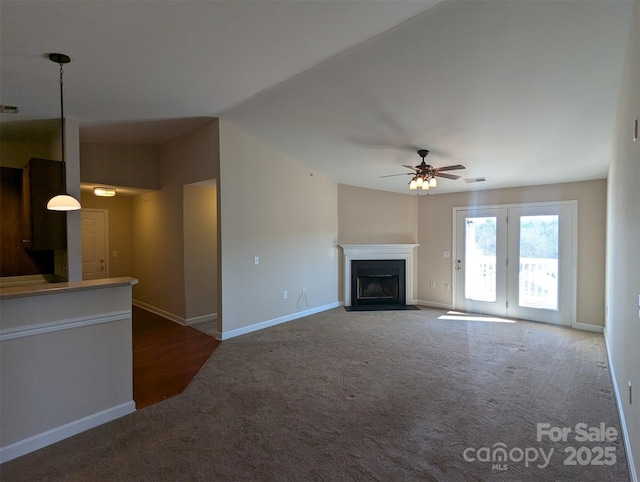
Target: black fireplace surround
{"type": "Point", "coordinates": [378, 282]}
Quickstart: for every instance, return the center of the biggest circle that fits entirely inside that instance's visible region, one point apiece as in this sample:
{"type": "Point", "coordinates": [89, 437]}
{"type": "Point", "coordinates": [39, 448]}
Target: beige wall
{"type": "Point", "coordinates": [120, 212]}
{"type": "Point", "coordinates": [275, 208]}
{"type": "Point", "coordinates": [623, 254]}
{"type": "Point", "coordinates": [435, 235]}
{"type": "Point", "coordinates": [367, 216]}
{"type": "Point", "coordinates": [68, 264]}
{"type": "Point", "coordinates": [158, 223]}
{"type": "Point", "coordinates": [201, 250]}
{"type": "Point", "coordinates": [127, 165]}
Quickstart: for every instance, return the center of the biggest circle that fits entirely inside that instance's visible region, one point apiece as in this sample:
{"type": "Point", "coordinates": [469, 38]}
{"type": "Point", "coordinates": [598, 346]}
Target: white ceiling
{"type": "Point", "coordinates": [521, 92]}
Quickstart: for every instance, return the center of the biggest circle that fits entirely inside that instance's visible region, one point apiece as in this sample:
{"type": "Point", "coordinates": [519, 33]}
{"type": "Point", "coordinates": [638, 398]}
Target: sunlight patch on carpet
{"type": "Point", "coordinates": [460, 316]}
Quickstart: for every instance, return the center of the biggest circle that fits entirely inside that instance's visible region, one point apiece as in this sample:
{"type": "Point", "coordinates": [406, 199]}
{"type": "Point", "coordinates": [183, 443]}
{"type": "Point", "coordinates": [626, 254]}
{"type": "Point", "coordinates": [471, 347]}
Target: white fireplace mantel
{"type": "Point", "coordinates": [378, 251]}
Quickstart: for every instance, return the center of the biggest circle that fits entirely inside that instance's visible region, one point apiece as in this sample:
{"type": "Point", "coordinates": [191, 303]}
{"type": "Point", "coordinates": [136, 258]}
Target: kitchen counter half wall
{"type": "Point", "coordinates": [65, 361]}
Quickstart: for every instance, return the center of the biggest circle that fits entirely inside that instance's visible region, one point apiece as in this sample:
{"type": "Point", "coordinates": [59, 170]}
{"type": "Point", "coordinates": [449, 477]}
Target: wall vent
{"type": "Point", "coordinates": [472, 180]}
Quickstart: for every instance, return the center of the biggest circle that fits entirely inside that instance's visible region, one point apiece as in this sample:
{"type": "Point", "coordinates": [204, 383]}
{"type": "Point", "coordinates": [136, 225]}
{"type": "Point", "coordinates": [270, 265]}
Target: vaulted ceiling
{"type": "Point", "coordinates": [521, 92]}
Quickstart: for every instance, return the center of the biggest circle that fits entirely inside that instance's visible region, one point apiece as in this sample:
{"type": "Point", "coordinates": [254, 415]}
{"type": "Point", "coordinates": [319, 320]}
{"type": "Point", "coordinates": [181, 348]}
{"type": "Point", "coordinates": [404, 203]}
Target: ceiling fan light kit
{"type": "Point", "coordinates": [425, 174]}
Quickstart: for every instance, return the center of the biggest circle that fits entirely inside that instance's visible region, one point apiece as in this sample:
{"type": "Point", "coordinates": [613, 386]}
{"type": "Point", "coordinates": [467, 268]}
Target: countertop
{"type": "Point", "coordinates": [54, 288]}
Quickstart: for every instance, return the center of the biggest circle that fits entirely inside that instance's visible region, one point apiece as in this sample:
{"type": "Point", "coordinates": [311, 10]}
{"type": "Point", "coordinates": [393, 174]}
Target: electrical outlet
{"type": "Point", "coordinates": [433, 284]}
{"type": "Point", "coordinates": [447, 287]}
{"type": "Point", "coordinates": [284, 295]}
{"type": "Point", "coordinates": [446, 254]}
{"type": "Point", "coordinates": [256, 260]}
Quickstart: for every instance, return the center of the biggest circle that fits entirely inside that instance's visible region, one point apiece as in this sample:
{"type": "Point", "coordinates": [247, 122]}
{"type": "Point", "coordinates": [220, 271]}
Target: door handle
{"type": "Point", "coordinates": [102, 260]}
{"type": "Point", "coordinates": [458, 267]}
{"type": "Point", "coordinates": [101, 268]}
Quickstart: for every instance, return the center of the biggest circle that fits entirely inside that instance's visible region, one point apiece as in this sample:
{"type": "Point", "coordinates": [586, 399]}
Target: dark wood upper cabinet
{"type": "Point", "coordinates": [42, 229]}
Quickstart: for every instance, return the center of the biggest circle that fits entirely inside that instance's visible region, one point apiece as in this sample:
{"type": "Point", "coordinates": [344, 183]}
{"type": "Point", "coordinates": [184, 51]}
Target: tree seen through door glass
{"type": "Point", "coordinates": [538, 269]}
{"type": "Point", "coordinates": [480, 259]}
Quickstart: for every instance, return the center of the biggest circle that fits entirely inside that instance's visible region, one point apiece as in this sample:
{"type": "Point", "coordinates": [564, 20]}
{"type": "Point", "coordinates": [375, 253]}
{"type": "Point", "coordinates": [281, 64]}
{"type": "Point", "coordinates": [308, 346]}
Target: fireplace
{"type": "Point", "coordinates": [377, 253]}
{"type": "Point", "coordinates": [378, 282]}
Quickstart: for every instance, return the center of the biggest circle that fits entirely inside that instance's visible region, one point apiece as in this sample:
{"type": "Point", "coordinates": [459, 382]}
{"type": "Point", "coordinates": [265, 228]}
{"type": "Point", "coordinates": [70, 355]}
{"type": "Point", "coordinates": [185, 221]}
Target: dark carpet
{"type": "Point", "coordinates": [382, 395]}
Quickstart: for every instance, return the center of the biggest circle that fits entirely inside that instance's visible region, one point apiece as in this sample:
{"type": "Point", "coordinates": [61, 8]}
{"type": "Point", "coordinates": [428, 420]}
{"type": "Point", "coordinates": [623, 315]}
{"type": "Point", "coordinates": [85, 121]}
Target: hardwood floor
{"type": "Point", "coordinates": [166, 356]}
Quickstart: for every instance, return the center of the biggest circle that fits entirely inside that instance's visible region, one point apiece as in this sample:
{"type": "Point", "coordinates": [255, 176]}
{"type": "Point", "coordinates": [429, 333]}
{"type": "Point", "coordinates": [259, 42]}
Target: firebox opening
{"type": "Point", "coordinates": [378, 282]}
{"type": "Point", "coordinates": [378, 286]}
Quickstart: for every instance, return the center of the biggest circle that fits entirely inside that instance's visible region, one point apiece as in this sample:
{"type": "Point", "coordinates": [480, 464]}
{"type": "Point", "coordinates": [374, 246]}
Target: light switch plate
{"type": "Point", "coordinates": [446, 254]}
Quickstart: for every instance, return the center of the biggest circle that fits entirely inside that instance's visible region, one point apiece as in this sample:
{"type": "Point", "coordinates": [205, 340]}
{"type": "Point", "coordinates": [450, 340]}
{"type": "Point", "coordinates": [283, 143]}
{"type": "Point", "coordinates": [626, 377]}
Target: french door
{"type": "Point", "coordinates": [516, 261]}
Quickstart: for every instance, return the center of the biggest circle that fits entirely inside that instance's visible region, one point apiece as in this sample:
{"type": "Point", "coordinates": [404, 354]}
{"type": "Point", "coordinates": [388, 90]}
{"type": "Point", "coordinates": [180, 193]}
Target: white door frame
{"type": "Point", "coordinates": [106, 234]}
{"type": "Point", "coordinates": [574, 250]}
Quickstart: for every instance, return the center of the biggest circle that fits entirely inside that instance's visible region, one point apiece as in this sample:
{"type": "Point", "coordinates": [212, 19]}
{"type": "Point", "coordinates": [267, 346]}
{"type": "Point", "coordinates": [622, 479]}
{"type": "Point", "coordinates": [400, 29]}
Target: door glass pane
{"type": "Point", "coordinates": [539, 262]}
{"type": "Point", "coordinates": [480, 259]}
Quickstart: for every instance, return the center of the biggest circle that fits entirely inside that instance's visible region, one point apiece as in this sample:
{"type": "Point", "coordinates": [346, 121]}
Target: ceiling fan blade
{"type": "Point", "coordinates": [450, 168]}
{"type": "Point", "coordinates": [415, 168]}
{"type": "Point", "coordinates": [403, 174]}
{"type": "Point", "coordinates": [446, 176]}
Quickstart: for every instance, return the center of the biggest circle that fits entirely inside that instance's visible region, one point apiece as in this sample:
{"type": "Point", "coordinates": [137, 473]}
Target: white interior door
{"type": "Point", "coordinates": [94, 244]}
{"type": "Point", "coordinates": [517, 261]}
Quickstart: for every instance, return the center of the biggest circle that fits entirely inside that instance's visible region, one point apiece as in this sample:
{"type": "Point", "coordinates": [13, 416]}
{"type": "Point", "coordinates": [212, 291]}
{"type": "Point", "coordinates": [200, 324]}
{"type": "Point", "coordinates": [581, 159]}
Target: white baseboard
{"type": "Point", "coordinates": [158, 311]}
{"type": "Point", "coordinates": [62, 432]}
{"type": "Point", "coordinates": [225, 335]}
{"type": "Point", "coordinates": [625, 432]}
{"type": "Point", "coordinates": [588, 327]}
{"type": "Point", "coordinates": [433, 304]}
{"type": "Point", "coordinates": [170, 316]}
{"type": "Point", "coordinates": [194, 320]}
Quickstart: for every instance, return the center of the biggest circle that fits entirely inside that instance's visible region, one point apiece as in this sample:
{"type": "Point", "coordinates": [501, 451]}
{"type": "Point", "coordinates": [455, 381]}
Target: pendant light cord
{"type": "Point", "coordinates": [62, 201]}
{"type": "Point", "coordinates": [63, 132]}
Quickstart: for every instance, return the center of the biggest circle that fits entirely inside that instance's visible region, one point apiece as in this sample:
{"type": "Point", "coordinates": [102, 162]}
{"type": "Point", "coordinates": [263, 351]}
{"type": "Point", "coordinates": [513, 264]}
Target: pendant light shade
{"type": "Point", "coordinates": [63, 201]}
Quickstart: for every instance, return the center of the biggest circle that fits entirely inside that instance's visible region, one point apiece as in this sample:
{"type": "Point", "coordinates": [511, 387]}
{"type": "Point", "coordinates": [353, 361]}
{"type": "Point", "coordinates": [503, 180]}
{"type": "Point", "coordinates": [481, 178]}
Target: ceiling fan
{"type": "Point", "coordinates": [425, 174]}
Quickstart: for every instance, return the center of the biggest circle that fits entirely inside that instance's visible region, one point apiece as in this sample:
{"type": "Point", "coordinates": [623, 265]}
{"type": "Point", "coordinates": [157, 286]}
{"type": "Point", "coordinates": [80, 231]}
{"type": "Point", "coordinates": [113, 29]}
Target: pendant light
{"type": "Point", "coordinates": [62, 202]}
